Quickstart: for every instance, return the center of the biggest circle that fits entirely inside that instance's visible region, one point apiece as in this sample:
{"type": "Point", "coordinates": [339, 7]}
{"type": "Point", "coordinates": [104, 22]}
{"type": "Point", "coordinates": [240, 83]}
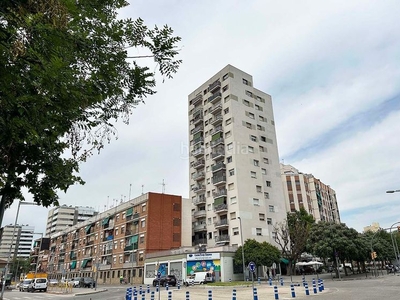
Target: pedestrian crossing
{"type": "Point", "coordinates": [17, 295]}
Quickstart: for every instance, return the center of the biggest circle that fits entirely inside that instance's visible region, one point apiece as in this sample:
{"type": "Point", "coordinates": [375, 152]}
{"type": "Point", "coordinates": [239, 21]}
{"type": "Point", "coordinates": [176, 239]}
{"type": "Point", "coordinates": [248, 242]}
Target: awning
{"type": "Point", "coordinates": [87, 229]}
{"type": "Point", "coordinates": [134, 239]}
{"type": "Point", "coordinates": [85, 261]}
{"type": "Point", "coordinates": [284, 260]}
{"type": "Point", "coordinates": [105, 221]}
{"type": "Point", "coordinates": [129, 212]}
{"type": "Point", "coordinates": [73, 264]}
{"type": "Point", "coordinates": [71, 255]}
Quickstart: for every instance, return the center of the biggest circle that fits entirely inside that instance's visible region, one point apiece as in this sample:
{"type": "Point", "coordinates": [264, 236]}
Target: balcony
{"type": "Point", "coordinates": [216, 108]}
{"type": "Point", "coordinates": [217, 142]}
{"type": "Point", "coordinates": [197, 242]}
{"type": "Point", "coordinates": [221, 208]}
{"type": "Point", "coordinates": [199, 188]}
{"type": "Point", "coordinates": [198, 140]}
{"type": "Point", "coordinates": [216, 120]}
{"type": "Point", "coordinates": [199, 176]}
{"type": "Point", "coordinates": [218, 167]}
{"type": "Point", "coordinates": [199, 200]}
{"type": "Point", "coordinates": [220, 193]}
{"type": "Point", "coordinates": [199, 164]}
{"type": "Point", "coordinates": [198, 152]}
{"type": "Point", "coordinates": [217, 129]}
{"type": "Point", "coordinates": [133, 217]}
{"type": "Point", "coordinates": [197, 100]}
{"type": "Point", "coordinates": [197, 129]}
{"type": "Point", "coordinates": [218, 154]}
{"type": "Point", "coordinates": [200, 227]}
{"type": "Point", "coordinates": [221, 224]}
{"type": "Point", "coordinates": [222, 238]}
{"type": "Point", "coordinates": [216, 85]}
{"type": "Point", "coordinates": [198, 118]}
{"type": "Point", "coordinates": [199, 214]}
{"type": "Point", "coordinates": [219, 180]}
{"type": "Point", "coordinates": [215, 97]}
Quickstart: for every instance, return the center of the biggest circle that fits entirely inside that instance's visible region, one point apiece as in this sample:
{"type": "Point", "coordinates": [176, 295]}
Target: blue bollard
{"type": "Point", "coordinates": [209, 294]}
{"type": "Point", "coordinates": [292, 291]}
{"type": "Point", "coordinates": [179, 285]}
{"type": "Point", "coordinates": [281, 281]}
{"type": "Point", "coordinates": [322, 284]}
{"type": "Point", "coordinates": [157, 288]}
{"type": "Point", "coordinates": [128, 295]}
{"type": "Point", "coordinates": [270, 281]}
{"type": "Point", "coordinates": [306, 289]}
{"type": "Point", "coordinates": [304, 281]}
{"type": "Point", "coordinates": [233, 294]}
{"type": "Point", "coordinates": [314, 287]}
{"type": "Point", "coordinates": [255, 296]}
{"type": "Point", "coordinates": [140, 290]}
{"type": "Point", "coordinates": [148, 289]}
{"type": "Point", "coordinates": [259, 280]}
{"type": "Point", "coordinates": [152, 295]}
{"type": "Point", "coordinates": [276, 292]}
{"type": "Point", "coordinates": [169, 295]}
{"type": "Point", "coordinates": [187, 295]}
{"type": "Point", "coordinates": [166, 287]}
{"type": "Point", "coordinates": [143, 296]}
{"type": "Point", "coordinates": [319, 285]}
{"type": "Point", "coordinates": [135, 295]}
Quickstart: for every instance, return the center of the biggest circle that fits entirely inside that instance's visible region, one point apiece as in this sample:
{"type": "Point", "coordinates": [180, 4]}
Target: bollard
{"type": "Point", "coordinates": [135, 295]}
{"type": "Point", "coordinates": [233, 294]}
{"type": "Point", "coordinates": [140, 290]}
{"type": "Point", "coordinates": [148, 289]}
{"type": "Point", "coordinates": [292, 291]}
{"type": "Point", "coordinates": [152, 295]}
{"type": "Point", "coordinates": [319, 285]}
{"type": "Point", "coordinates": [209, 294]}
{"type": "Point", "coordinates": [187, 295]}
{"type": "Point", "coordinates": [314, 287]}
{"type": "Point", "coordinates": [322, 284]}
{"type": "Point", "coordinates": [306, 289]}
{"type": "Point", "coordinates": [259, 280]}
{"type": "Point", "coordinates": [179, 285]}
{"type": "Point", "coordinates": [128, 294]}
{"type": "Point", "coordinates": [157, 288]}
{"type": "Point", "coordinates": [276, 292]}
{"type": "Point", "coordinates": [255, 297]}
{"type": "Point", "coordinates": [304, 280]}
{"type": "Point", "coordinates": [270, 281]}
{"type": "Point", "coordinates": [166, 287]}
{"type": "Point", "coordinates": [143, 296]}
{"type": "Point", "coordinates": [169, 295]}
{"type": "Point", "coordinates": [281, 281]}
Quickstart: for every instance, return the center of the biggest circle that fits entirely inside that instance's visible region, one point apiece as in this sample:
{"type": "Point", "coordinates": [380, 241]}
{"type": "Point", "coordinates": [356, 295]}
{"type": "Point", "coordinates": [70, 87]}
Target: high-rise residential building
{"type": "Point", "coordinates": [64, 216]}
{"type": "Point", "coordinates": [305, 191]}
{"type": "Point", "coordinates": [21, 243]}
{"type": "Point", "coordinates": [234, 165]}
{"type": "Point", "coordinates": [116, 241]}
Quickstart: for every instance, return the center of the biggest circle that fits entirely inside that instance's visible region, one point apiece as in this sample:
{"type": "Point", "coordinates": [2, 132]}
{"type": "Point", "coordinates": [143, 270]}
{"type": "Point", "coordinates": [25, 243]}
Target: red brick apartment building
{"type": "Point", "coordinates": [115, 242]}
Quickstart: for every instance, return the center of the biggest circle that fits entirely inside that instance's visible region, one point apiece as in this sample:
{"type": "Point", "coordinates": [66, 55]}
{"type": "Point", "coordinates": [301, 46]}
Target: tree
{"type": "Point", "coordinates": [65, 80]}
{"type": "Point", "coordinates": [292, 235]}
{"type": "Point", "coordinates": [262, 254]}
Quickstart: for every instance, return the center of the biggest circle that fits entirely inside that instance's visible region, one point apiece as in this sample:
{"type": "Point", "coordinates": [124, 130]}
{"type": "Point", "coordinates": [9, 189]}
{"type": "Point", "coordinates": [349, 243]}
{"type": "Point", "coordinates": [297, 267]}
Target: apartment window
{"type": "Point", "coordinates": [266, 195]}
{"type": "Point", "coordinates": [141, 240]}
{"type": "Point", "coordinates": [121, 244]}
{"type": "Point", "coordinates": [233, 215]}
{"type": "Point", "coordinates": [143, 223]}
{"type": "Point", "coordinates": [233, 200]}
{"type": "Point", "coordinates": [257, 107]}
{"type": "Point", "coordinates": [248, 125]}
{"type": "Point", "coordinates": [258, 231]}
{"type": "Point", "coordinates": [115, 245]}
{"type": "Point", "coordinates": [228, 134]}
{"type": "Point", "coordinates": [271, 208]}
{"type": "Point", "coordinates": [258, 189]}
{"type": "Point", "coordinates": [274, 235]}
{"type": "Point", "coordinates": [261, 118]}
{"type": "Point", "coordinates": [235, 230]}
{"type": "Point", "coordinates": [269, 221]}
{"type": "Point", "coordinates": [231, 186]}
{"type": "Point", "coordinates": [263, 138]}
{"type": "Point", "coordinates": [248, 93]}
{"type": "Point", "coordinates": [261, 148]}
{"type": "Point", "coordinates": [143, 207]}
{"type": "Point", "coordinates": [224, 88]}
{"type": "Point", "coordinates": [210, 235]}
{"type": "Point", "coordinates": [251, 149]}
{"type": "Point", "coordinates": [116, 231]}
{"type": "Point", "coordinates": [229, 159]}
{"type": "Point", "coordinates": [261, 217]}
{"type": "Point", "coordinates": [266, 160]}
{"type": "Point", "coordinates": [209, 221]}
{"type": "Point", "coordinates": [231, 172]}
{"type": "Point", "coordinates": [123, 216]}
{"type": "Point", "coordinates": [245, 81]}
{"type": "Point", "coordinates": [229, 146]}
{"type": "Point", "coordinates": [256, 202]}
{"type": "Point", "coordinates": [208, 180]}
{"type": "Point", "coordinates": [208, 169]}
{"type": "Point", "coordinates": [253, 174]}
{"type": "Point", "coordinates": [263, 171]}
{"type": "Point", "coordinates": [253, 138]}
{"type": "Point", "coordinates": [246, 102]}
{"type": "Point", "coordinates": [268, 183]}
{"type": "Point", "coordinates": [228, 121]}
{"type": "Point", "coordinates": [256, 162]}
{"type": "Point", "coordinates": [251, 115]}
{"type": "Point", "coordinates": [225, 77]}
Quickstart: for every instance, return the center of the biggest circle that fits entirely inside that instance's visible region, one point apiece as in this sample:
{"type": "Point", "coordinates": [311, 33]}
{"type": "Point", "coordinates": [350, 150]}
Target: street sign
{"type": "Point", "coordinates": [252, 266]}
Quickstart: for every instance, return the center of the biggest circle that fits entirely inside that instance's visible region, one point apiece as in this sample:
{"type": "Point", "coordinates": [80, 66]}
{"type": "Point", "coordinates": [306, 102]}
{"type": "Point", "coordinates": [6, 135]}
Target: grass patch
{"type": "Point", "coordinates": [233, 283]}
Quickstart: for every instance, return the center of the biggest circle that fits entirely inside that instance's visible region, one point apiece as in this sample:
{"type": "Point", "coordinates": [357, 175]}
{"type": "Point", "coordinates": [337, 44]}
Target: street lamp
{"type": "Point", "coordinates": [11, 244]}
{"type": "Point", "coordinates": [393, 191]}
{"type": "Point", "coordinates": [241, 237]}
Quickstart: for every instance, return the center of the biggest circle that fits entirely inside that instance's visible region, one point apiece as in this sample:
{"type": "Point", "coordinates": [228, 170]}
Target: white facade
{"type": "Point", "coordinates": [22, 241]}
{"type": "Point", "coordinates": [234, 163]}
{"type": "Point", "coordinates": [64, 216]}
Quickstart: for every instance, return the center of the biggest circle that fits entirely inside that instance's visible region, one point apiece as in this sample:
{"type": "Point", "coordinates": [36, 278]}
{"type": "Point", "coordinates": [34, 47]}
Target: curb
{"type": "Point", "coordinates": [91, 292]}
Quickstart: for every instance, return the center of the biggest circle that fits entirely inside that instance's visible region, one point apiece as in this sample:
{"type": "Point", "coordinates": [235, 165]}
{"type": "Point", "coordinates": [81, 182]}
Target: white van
{"type": "Point", "coordinates": [38, 284]}
{"type": "Point", "coordinates": [201, 278]}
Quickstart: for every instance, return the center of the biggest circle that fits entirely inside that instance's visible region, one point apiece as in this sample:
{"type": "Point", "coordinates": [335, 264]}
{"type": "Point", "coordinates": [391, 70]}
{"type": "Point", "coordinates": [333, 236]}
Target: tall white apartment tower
{"type": "Point", "coordinates": [234, 165]}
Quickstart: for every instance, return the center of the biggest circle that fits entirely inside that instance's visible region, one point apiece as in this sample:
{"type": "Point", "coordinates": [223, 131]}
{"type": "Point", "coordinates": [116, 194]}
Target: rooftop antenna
{"type": "Point", "coordinates": [130, 187]}
{"type": "Point", "coordinates": [163, 186]}
{"type": "Point", "coordinates": [142, 188]}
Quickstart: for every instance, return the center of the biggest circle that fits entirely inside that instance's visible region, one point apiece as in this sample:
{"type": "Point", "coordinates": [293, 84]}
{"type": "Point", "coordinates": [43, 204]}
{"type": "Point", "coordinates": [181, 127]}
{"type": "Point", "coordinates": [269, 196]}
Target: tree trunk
{"type": "Point", "coordinates": [2, 207]}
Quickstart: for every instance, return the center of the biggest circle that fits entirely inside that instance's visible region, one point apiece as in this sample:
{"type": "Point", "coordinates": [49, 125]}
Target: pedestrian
{"type": "Point", "coordinates": [121, 279]}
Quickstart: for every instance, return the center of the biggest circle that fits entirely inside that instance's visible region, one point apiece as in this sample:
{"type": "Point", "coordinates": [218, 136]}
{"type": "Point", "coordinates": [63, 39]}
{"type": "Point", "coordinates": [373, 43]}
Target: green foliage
{"type": "Point", "coordinates": [262, 254]}
{"type": "Point", "coordinates": [65, 80]}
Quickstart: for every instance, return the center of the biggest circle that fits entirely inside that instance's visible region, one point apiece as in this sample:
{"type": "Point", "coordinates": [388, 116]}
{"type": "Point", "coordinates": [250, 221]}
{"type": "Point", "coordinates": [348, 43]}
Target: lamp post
{"type": "Point", "coordinates": [241, 237]}
{"type": "Point", "coordinates": [392, 191]}
{"type": "Point", "coordinates": [11, 245]}
{"type": "Point", "coordinates": [396, 252]}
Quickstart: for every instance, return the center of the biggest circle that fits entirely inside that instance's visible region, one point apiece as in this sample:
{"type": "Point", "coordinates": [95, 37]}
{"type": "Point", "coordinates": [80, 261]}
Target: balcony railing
{"type": "Point", "coordinates": [199, 242]}
{"type": "Point", "coordinates": [200, 227]}
{"type": "Point", "coordinates": [216, 120]}
{"type": "Point", "coordinates": [197, 140]}
{"type": "Point", "coordinates": [198, 152]}
{"type": "Point", "coordinates": [218, 166]}
{"type": "Point", "coordinates": [219, 180]}
{"type": "Point", "coordinates": [221, 223]}
{"type": "Point", "coordinates": [217, 129]}
{"type": "Point", "coordinates": [198, 118]}
{"type": "Point", "coordinates": [199, 163]}
{"type": "Point", "coordinates": [220, 193]}
{"type": "Point", "coordinates": [220, 153]}
{"type": "Point", "coordinates": [197, 129]}
{"type": "Point", "coordinates": [197, 99]}
{"type": "Point", "coordinates": [216, 108]}
{"type": "Point", "coordinates": [200, 213]}
{"type": "Point", "coordinates": [215, 97]}
{"type": "Point", "coordinates": [219, 141]}
{"type": "Point", "coordinates": [199, 176]}
{"type": "Point", "coordinates": [221, 208]}
{"type": "Point", "coordinates": [198, 188]}
{"type": "Point", "coordinates": [214, 86]}
{"type": "Point", "coordinates": [199, 200]}
{"type": "Point", "coordinates": [222, 238]}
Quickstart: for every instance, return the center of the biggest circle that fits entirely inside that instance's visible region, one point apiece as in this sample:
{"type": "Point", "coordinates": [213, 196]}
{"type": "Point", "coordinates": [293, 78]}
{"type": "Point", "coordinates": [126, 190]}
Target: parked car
{"type": "Point", "coordinates": [38, 284]}
{"type": "Point", "coordinates": [87, 282]}
{"type": "Point", "coordinates": [53, 282]}
{"type": "Point", "coordinates": [24, 285]}
{"type": "Point", "coordinates": [164, 280]}
{"type": "Point", "coordinates": [76, 281]}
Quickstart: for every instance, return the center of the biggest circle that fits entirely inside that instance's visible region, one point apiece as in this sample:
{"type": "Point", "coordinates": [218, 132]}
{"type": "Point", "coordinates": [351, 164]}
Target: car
{"type": "Point", "coordinates": [75, 281]}
{"type": "Point", "coordinates": [87, 282]}
{"type": "Point", "coordinates": [38, 284]}
{"type": "Point", "coordinates": [164, 280]}
{"type": "Point", "coordinates": [24, 285]}
{"type": "Point", "coordinates": [53, 282]}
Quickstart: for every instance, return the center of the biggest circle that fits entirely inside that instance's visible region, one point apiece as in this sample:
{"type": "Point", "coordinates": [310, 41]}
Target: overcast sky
{"type": "Point", "coordinates": [332, 69]}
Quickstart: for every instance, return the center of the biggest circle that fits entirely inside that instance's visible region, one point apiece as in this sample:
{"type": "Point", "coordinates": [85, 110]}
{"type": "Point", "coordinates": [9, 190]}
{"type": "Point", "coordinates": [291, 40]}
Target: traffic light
{"type": "Point", "coordinates": [373, 255]}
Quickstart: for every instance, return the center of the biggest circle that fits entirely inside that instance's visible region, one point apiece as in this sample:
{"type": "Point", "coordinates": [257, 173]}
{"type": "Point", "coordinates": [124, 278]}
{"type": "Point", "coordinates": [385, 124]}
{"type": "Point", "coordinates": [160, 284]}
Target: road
{"type": "Point", "coordinates": [384, 287]}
